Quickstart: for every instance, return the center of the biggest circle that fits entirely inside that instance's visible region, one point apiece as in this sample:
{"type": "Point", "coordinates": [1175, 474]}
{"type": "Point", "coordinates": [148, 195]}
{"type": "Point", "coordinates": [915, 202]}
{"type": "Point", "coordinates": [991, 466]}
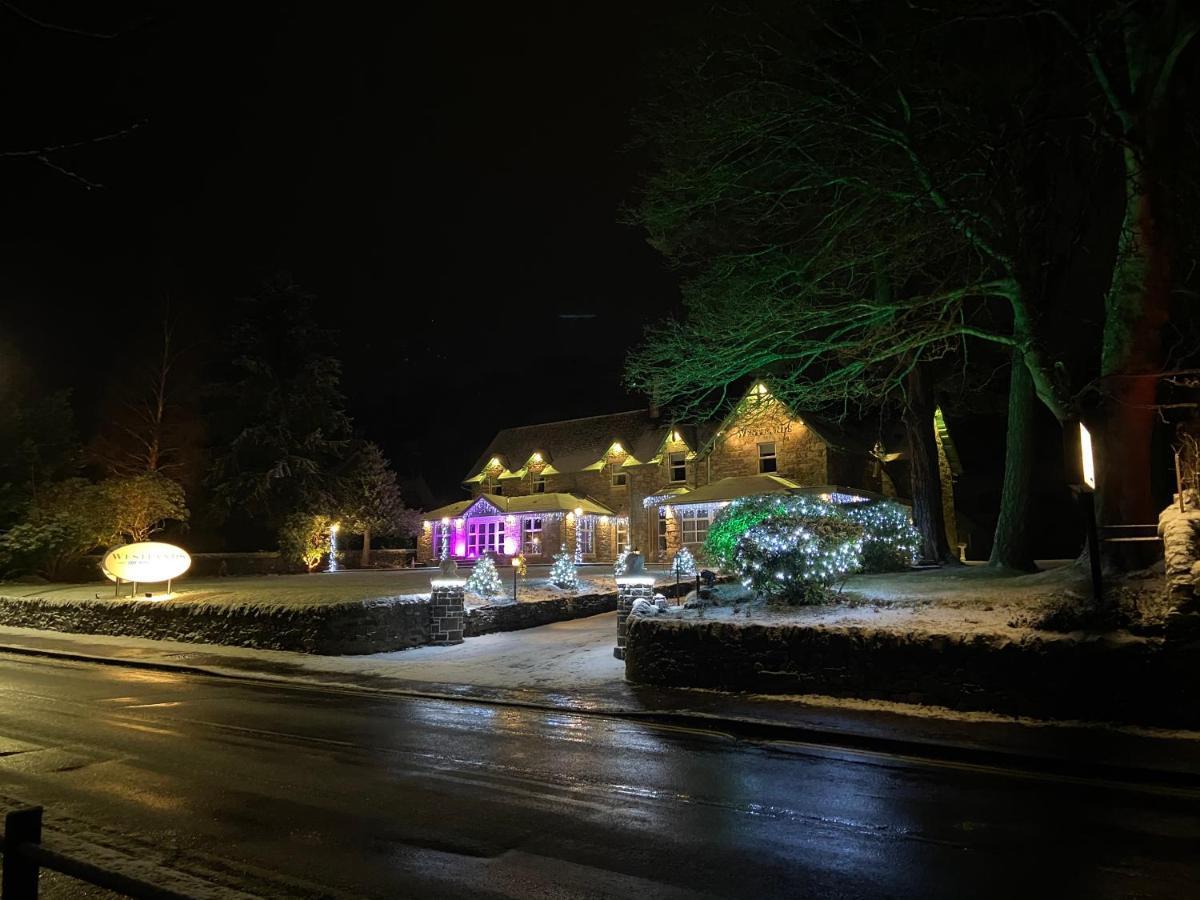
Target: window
{"type": "Point", "coordinates": [532, 545]}
{"type": "Point", "coordinates": [693, 523]}
{"type": "Point", "coordinates": [678, 464]}
{"type": "Point", "coordinates": [538, 484]}
{"type": "Point", "coordinates": [486, 536]}
{"type": "Point", "coordinates": [622, 535]}
{"type": "Point", "coordinates": [619, 478]}
{"type": "Point", "coordinates": [438, 534]}
{"type": "Point", "coordinates": [586, 534]}
{"type": "Point", "coordinates": [498, 489]}
{"type": "Point", "coordinates": [767, 460]}
{"type": "Point", "coordinates": [662, 533]}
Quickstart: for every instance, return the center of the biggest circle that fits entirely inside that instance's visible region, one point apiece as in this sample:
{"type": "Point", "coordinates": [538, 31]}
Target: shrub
{"type": "Point", "coordinates": [65, 521]}
{"type": "Point", "coordinates": [304, 539]}
{"type": "Point", "coordinates": [732, 522]}
{"type": "Point", "coordinates": [563, 573]}
{"type": "Point", "coordinates": [683, 564]}
{"type": "Point", "coordinates": [484, 579]}
{"type": "Point", "coordinates": [795, 557]}
{"type": "Point", "coordinates": [890, 540]}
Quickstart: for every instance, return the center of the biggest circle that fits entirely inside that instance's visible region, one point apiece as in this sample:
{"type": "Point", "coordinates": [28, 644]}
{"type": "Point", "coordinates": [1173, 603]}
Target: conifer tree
{"type": "Point", "coordinates": [484, 579]}
{"type": "Point", "coordinates": [563, 573]}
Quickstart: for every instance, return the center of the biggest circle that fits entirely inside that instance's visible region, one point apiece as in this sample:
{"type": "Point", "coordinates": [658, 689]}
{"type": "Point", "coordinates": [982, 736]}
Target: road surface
{"type": "Point", "coordinates": [287, 791]}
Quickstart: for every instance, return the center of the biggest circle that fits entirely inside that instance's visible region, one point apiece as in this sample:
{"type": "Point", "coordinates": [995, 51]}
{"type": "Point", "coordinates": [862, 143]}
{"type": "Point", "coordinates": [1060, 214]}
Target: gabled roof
{"type": "Point", "coordinates": [573, 445]}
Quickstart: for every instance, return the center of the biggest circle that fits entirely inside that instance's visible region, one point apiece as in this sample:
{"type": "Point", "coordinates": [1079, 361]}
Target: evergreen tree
{"type": "Point", "coordinates": [369, 500]}
{"type": "Point", "coordinates": [278, 426]}
{"type": "Point", "coordinates": [683, 563]}
{"type": "Point", "coordinates": [484, 579]}
{"type": "Point", "coordinates": [563, 573]}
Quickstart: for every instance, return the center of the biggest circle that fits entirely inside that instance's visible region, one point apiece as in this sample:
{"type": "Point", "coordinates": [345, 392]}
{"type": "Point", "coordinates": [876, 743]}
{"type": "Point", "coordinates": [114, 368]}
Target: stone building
{"type": "Point", "coordinates": [632, 479]}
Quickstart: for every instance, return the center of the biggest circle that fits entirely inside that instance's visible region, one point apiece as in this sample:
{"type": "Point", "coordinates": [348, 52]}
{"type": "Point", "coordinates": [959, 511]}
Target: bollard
{"type": "Point", "coordinates": [633, 585]}
{"type": "Point", "coordinates": [19, 880]}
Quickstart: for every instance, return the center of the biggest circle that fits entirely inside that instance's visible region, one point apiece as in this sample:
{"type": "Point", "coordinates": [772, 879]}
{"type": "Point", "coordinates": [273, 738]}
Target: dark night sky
{"type": "Point", "coordinates": [446, 179]}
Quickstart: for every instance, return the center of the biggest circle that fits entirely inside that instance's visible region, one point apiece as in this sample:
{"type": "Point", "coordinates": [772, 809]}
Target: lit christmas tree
{"type": "Point", "coordinates": [484, 580]}
{"type": "Point", "coordinates": [562, 573]}
{"type": "Point", "coordinates": [684, 563]}
{"type": "Point", "coordinates": [619, 562]}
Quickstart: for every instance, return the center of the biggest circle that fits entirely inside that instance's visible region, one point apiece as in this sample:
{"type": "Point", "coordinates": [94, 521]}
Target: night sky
{"type": "Point", "coordinates": [448, 183]}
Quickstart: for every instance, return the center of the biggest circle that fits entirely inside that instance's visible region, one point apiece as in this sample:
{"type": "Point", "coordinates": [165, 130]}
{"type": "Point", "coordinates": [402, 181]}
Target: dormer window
{"type": "Point", "coordinates": [537, 484]}
{"type": "Point", "coordinates": [619, 478]}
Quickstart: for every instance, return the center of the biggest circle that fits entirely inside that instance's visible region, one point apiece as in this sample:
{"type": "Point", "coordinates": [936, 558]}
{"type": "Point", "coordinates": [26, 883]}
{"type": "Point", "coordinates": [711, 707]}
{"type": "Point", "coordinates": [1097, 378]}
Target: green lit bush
{"type": "Point", "coordinates": [794, 558]}
{"type": "Point", "coordinates": [720, 548]}
{"type": "Point", "coordinates": [890, 541]}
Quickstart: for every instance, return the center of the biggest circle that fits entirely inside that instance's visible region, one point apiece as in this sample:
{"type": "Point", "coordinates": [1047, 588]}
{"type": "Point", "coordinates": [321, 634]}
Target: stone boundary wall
{"type": "Point", "coordinates": [516, 616]}
{"type": "Point", "coordinates": [1132, 680]}
{"type": "Point", "coordinates": [348, 628]}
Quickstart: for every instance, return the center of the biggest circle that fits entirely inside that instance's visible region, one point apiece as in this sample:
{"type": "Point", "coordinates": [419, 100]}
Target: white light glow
{"type": "Point", "coordinates": [1085, 453]}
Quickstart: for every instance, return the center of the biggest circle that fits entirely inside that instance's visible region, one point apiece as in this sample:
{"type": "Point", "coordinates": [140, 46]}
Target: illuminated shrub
{"type": "Point", "coordinates": [795, 557]}
{"type": "Point", "coordinates": [890, 540]}
{"type": "Point", "coordinates": [736, 519]}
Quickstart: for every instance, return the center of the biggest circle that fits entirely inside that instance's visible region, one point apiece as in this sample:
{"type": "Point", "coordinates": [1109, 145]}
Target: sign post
{"type": "Point", "coordinates": [147, 562]}
{"type": "Point", "coordinates": [1081, 476]}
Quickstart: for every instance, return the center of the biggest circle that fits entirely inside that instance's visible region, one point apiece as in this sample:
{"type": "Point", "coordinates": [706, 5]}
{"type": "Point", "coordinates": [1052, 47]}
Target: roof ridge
{"type": "Point", "coordinates": [624, 412]}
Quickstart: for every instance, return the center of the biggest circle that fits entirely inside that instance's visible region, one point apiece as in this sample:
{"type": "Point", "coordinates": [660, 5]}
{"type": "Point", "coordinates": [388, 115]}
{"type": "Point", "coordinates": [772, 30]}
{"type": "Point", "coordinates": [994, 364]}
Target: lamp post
{"type": "Point", "coordinates": [1081, 476]}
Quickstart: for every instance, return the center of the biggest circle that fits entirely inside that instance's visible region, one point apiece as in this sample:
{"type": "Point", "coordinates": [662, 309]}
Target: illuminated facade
{"type": "Point", "coordinates": [633, 479]}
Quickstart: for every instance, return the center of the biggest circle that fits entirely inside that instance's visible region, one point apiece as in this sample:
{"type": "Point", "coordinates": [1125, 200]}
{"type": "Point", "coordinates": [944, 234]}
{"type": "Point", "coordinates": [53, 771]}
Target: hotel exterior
{"type": "Point", "coordinates": [633, 480]}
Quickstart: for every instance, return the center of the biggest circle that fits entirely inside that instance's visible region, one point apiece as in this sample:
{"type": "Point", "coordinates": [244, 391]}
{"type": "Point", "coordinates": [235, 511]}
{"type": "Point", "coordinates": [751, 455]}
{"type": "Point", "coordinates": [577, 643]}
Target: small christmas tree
{"type": "Point", "coordinates": [684, 563]}
{"type": "Point", "coordinates": [619, 563]}
{"type": "Point", "coordinates": [562, 573]}
{"type": "Point", "coordinates": [484, 580]}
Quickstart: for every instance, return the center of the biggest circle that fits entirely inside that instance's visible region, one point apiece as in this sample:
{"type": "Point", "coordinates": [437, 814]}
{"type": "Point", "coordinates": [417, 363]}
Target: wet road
{"type": "Point", "coordinates": [298, 792]}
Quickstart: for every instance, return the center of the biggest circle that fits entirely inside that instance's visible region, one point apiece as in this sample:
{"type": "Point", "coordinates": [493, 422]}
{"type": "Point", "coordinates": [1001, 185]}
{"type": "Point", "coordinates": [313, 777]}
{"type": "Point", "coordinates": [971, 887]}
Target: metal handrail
{"type": "Point", "coordinates": [25, 855]}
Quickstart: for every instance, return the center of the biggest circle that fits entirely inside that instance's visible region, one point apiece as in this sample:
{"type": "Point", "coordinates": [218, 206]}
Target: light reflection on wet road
{"type": "Point", "coordinates": [325, 793]}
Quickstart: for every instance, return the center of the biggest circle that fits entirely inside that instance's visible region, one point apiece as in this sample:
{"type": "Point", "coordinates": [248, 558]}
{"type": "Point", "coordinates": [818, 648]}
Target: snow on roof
{"type": "Point", "coordinates": [531, 503]}
{"type": "Point", "coordinates": [733, 488]}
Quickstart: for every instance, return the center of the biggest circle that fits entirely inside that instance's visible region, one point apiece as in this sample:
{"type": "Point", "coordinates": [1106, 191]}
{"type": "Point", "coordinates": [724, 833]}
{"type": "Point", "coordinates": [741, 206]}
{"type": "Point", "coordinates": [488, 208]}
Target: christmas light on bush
{"type": "Point", "coordinates": [562, 572]}
{"type": "Point", "coordinates": [484, 579]}
{"type": "Point", "coordinates": [684, 563]}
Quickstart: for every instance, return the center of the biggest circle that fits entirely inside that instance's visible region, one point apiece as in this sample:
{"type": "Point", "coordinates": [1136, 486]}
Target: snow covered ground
{"type": "Point", "coordinates": [969, 600]}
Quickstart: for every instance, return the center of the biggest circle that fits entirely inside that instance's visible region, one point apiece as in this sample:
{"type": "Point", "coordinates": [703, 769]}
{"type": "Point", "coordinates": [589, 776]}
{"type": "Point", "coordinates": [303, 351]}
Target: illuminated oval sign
{"type": "Point", "coordinates": [148, 562]}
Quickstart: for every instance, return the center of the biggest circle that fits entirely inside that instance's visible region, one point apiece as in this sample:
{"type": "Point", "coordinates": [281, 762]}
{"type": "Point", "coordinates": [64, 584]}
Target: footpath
{"type": "Point", "coordinates": [569, 667]}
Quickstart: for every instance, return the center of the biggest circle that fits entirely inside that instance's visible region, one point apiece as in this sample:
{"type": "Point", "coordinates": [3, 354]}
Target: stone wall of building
{"type": "Point", "coordinates": [1056, 676]}
{"type": "Point", "coordinates": [947, 478]}
{"type": "Point", "coordinates": [800, 451]}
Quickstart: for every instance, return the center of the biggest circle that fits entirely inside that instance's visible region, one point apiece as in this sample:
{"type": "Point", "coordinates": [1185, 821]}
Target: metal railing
{"type": "Point", "coordinates": [25, 856]}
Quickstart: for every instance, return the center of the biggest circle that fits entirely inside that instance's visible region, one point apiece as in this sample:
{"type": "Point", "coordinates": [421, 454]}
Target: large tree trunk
{"type": "Point", "coordinates": [1136, 310]}
{"type": "Point", "coordinates": [365, 560]}
{"type": "Point", "coordinates": [1011, 546]}
{"type": "Point", "coordinates": [925, 474]}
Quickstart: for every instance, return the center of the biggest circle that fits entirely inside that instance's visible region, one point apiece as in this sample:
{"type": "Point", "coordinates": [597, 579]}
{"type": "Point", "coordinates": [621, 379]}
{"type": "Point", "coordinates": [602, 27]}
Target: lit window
{"type": "Point", "coordinates": [538, 485]}
{"type": "Point", "coordinates": [619, 478]}
{"type": "Point", "coordinates": [678, 464]}
{"type": "Point", "coordinates": [532, 545]}
{"type": "Point", "coordinates": [485, 536]}
{"type": "Point", "coordinates": [622, 535]}
{"type": "Point", "coordinates": [693, 525]}
{"type": "Point", "coordinates": [767, 460]}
